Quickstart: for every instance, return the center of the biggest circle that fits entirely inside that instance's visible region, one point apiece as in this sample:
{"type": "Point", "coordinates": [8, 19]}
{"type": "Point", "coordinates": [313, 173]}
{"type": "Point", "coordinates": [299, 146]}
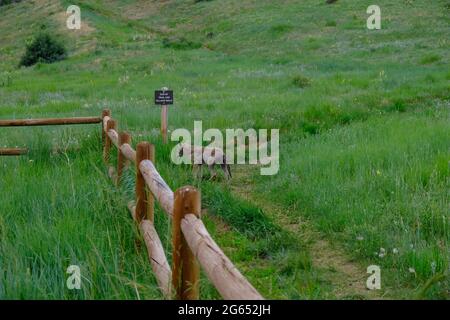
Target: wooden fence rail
{"type": "Point", "coordinates": [220, 270]}
{"type": "Point", "coordinates": [41, 122]}
{"type": "Point", "coordinates": [13, 151]}
{"type": "Point", "coordinates": [158, 259]}
{"type": "Point", "coordinates": [191, 243]}
{"type": "Point", "coordinates": [49, 121]}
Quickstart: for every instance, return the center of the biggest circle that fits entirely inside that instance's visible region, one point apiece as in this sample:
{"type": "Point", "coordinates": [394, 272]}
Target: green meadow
{"type": "Point", "coordinates": [364, 120]}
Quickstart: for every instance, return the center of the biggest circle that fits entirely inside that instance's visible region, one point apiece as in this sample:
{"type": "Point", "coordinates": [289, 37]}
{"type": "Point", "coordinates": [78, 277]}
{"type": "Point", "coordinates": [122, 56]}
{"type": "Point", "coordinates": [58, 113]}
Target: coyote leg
{"type": "Point", "coordinates": [213, 172]}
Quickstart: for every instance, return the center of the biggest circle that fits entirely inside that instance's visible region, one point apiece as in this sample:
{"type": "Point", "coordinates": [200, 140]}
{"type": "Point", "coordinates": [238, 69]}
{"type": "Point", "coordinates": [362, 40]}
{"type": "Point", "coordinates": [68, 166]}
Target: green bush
{"type": "Point", "coordinates": [301, 81]}
{"type": "Point", "coordinates": [5, 2]}
{"type": "Point", "coordinates": [180, 43]}
{"type": "Point", "coordinates": [429, 59]}
{"type": "Point", "coordinates": [43, 48]}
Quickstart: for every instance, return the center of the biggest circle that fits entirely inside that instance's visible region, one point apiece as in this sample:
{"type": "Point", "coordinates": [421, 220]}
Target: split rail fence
{"type": "Point", "coordinates": [192, 245]}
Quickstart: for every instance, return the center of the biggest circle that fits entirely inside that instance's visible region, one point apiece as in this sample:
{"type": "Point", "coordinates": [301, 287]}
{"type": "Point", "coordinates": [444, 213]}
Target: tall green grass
{"type": "Point", "coordinates": [364, 129]}
{"type": "Point", "coordinates": [57, 214]}
{"type": "Point", "coordinates": [382, 183]}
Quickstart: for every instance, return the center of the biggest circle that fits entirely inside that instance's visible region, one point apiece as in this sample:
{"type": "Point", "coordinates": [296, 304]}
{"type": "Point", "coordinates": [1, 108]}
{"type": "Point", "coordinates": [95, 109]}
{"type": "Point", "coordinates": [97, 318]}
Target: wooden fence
{"type": "Point", "coordinates": [41, 122]}
{"type": "Point", "coordinates": [192, 246]}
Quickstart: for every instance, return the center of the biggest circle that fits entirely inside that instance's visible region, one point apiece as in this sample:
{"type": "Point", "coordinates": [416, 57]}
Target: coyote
{"type": "Point", "coordinates": [216, 156]}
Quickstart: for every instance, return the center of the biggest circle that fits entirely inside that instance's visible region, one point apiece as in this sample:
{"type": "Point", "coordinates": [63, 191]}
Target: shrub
{"type": "Point", "coordinates": [281, 28]}
{"type": "Point", "coordinates": [180, 43]}
{"type": "Point", "coordinates": [429, 59]}
{"type": "Point", "coordinates": [5, 2]}
{"type": "Point", "coordinates": [398, 105]}
{"type": "Point", "coordinates": [43, 48]}
{"type": "Point", "coordinates": [301, 81]}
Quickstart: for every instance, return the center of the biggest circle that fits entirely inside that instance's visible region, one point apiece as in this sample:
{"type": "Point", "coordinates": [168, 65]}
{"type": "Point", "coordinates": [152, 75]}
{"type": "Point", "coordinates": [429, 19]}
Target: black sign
{"type": "Point", "coordinates": [164, 97]}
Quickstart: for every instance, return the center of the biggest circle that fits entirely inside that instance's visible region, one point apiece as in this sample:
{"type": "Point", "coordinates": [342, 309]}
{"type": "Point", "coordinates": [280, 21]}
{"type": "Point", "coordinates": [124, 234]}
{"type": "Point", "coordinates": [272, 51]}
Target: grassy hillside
{"type": "Point", "coordinates": [364, 119]}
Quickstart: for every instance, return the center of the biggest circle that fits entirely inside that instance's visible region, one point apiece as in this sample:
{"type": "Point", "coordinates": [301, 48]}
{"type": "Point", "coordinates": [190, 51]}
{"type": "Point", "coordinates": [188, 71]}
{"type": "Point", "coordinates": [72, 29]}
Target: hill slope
{"type": "Point", "coordinates": [364, 121]}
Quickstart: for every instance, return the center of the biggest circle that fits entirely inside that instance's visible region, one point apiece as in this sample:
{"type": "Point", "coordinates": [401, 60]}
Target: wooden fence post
{"type": "Point", "coordinates": [144, 200]}
{"type": "Point", "coordinates": [105, 113]}
{"type": "Point", "coordinates": [124, 137]}
{"type": "Point", "coordinates": [164, 122]}
{"type": "Point", "coordinates": [185, 268]}
{"type": "Point", "coordinates": [111, 124]}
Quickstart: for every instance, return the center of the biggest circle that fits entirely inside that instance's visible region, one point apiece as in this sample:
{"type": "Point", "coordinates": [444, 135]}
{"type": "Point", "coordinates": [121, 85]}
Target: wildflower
{"type": "Point", "coordinates": [433, 267]}
{"type": "Point", "coordinates": [395, 251]}
{"type": "Point", "coordinates": [360, 238]}
{"type": "Point", "coordinates": [382, 253]}
{"type": "Point", "coordinates": [412, 270]}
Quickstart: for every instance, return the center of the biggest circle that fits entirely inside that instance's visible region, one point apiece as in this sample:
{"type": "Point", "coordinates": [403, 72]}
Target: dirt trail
{"type": "Point", "coordinates": [347, 277]}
